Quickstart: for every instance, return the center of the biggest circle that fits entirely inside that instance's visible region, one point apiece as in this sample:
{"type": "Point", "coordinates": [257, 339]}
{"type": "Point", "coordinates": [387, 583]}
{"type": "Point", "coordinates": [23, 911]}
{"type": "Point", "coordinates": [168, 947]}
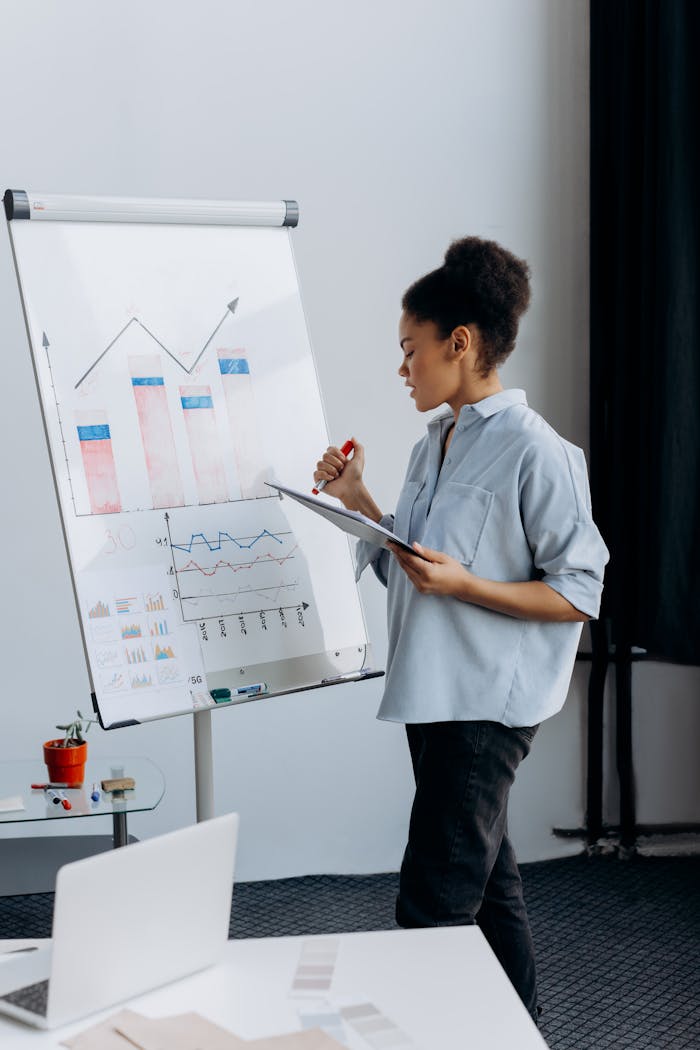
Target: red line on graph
{"type": "Point", "coordinates": [237, 568]}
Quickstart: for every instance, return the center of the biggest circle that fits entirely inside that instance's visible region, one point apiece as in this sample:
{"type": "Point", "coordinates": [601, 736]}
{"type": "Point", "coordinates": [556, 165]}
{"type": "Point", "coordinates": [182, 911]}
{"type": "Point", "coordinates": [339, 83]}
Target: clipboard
{"type": "Point", "coordinates": [350, 521]}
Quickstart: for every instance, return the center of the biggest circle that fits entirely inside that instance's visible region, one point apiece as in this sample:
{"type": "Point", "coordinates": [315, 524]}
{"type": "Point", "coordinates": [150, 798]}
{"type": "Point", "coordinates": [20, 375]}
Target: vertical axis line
{"type": "Point", "coordinates": [60, 427]}
{"type": "Point", "coordinates": [177, 578]}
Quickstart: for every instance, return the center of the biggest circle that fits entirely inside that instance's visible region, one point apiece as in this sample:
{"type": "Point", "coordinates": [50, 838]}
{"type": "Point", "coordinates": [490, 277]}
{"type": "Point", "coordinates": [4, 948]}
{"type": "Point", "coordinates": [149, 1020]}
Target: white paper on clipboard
{"type": "Point", "coordinates": [348, 520]}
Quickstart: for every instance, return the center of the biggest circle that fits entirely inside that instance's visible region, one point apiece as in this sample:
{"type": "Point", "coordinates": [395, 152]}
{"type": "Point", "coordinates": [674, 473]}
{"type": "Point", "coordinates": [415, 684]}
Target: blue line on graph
{"type": "Point", "coordinates": [217, 546]}
{"type": "Point", "coordinates": [147, 381]}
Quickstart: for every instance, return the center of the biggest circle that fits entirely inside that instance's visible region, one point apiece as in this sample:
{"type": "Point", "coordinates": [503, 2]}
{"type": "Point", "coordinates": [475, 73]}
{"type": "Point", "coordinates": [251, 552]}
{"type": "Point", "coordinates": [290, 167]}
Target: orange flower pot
{"type": "Point", "coordinates": [66, 765]}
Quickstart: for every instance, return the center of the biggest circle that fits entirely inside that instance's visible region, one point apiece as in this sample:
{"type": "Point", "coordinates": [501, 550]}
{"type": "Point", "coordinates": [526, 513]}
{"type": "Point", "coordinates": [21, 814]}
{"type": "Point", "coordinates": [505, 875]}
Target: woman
{"type": "Point", "coordinates": [484, 620]}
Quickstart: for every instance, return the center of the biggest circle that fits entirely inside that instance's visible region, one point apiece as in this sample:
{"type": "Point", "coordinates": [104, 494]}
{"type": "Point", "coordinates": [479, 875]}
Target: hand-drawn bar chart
{"type": "Point", "coordinates": [196, 444]}
{"type": "Point", "coordinates": [244, 422]}
{"type": "Point", "coordinates": [98, 461]}
{"type": "Point", "coordinates": [156, 430]}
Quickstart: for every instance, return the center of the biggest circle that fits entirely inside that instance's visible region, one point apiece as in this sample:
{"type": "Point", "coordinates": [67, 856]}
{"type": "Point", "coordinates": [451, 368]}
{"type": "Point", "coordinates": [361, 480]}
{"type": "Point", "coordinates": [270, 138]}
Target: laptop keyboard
{"type": "Point", "coordinates": [33, 997]}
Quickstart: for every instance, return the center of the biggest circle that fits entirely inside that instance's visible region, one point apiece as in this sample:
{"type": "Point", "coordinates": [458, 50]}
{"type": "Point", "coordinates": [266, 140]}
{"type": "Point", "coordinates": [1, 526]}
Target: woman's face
{"type": "Point", "coordinates": [430, 365]}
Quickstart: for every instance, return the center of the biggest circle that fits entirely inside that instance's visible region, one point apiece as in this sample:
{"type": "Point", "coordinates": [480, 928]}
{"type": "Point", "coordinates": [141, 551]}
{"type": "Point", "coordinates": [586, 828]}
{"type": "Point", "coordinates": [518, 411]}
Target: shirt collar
{"type": "Point", "coordinates": [488, 406]}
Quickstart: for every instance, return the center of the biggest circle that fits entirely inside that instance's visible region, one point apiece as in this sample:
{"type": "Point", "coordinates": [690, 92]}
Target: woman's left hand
{"type": "Point", "coordinates": [433, 572]}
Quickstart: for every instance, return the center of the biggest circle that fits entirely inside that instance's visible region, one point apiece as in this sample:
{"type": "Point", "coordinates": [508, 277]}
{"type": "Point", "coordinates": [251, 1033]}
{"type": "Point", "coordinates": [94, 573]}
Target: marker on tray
{"type": "Point", "coordinates": [251, 690]}
{"type": "Point", "coordinates": [95, 794]}
{"type": "Point", "coordinates": [53, 795]}
{"type": "Point", "coordinates": [320, 485]}
{"type": "Point", "coordinates": [64, 801]}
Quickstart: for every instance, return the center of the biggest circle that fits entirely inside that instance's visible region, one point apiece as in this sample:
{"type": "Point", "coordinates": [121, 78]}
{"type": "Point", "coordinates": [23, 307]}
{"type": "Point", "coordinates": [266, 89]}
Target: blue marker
{"type": "Point", "coordinates": [251, 690]}
{"type": "Point", "coordinates": [95, 796]}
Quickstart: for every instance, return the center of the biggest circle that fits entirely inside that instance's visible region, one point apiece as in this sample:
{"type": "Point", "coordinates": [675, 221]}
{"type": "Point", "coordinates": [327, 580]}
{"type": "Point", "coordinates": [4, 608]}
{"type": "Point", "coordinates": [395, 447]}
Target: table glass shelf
{"type": "Point", "coordinates": [16, 778]}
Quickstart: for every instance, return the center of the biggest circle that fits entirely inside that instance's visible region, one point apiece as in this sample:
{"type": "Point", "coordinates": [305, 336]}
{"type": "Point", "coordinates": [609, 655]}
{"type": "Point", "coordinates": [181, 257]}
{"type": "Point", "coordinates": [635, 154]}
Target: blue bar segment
{"type": "Point", "coordinates": [230, 366]}
{"type": "Point", "coordinates": [100, 432]}
{"type": "Point", "coordinates": [197, 402]}
{"type": "Point", "coordinates": [147, 381]}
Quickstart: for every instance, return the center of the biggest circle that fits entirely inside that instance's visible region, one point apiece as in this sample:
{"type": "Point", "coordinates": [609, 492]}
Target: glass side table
{"type": "Point", "coordinates": [16, 778]}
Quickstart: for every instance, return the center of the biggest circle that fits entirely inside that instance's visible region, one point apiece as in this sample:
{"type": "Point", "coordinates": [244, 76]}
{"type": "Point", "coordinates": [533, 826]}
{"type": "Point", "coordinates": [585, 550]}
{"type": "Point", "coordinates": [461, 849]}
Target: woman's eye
{"type": "Point", "coordinates": [407, 356]}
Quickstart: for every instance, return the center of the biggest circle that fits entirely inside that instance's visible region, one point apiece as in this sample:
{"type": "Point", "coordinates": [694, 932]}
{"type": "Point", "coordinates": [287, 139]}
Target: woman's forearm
{"type": "Point", "coordinates": [529, 600]}
{"type": "Point", "coordinates": [359, 498]}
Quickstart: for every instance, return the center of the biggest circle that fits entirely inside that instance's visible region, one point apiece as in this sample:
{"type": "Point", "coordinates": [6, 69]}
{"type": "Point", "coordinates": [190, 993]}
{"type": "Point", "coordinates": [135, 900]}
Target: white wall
{"type": "Point", "coordinates": [398, 125]}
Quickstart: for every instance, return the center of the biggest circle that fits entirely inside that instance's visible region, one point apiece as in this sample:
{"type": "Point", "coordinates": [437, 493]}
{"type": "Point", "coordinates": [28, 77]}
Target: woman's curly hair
{"type": "Point", "coordinates": [480, 283]}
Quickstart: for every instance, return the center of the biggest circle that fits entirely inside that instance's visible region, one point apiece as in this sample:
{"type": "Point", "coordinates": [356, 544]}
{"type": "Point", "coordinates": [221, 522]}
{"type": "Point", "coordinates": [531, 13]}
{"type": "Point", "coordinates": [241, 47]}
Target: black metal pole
{"type": "Point", "coordinates": [596, 695]}
{"type": "Point", "coordinates": [625, 770]}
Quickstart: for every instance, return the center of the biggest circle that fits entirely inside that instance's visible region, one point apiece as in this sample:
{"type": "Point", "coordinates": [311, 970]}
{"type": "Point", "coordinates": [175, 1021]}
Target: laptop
{"type": "Point", "coordinates": [125, 922]}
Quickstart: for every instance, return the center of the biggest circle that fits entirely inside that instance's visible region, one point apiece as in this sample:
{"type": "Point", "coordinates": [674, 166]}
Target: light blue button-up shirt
{"type": "Point", "coordinates": [511, 502]}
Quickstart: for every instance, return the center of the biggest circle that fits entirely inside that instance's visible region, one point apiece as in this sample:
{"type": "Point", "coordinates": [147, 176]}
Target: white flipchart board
{"type": "Point", "coordinates": [176, 377]}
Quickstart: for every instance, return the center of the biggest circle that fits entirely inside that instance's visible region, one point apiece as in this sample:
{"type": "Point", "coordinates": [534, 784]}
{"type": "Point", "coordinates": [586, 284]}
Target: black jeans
{"type": "Point", "coordinates": [459, 867]}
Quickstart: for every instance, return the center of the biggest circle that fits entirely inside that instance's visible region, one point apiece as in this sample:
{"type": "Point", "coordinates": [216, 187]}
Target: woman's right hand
{"type": "Point", "coordinates": [342, 474]}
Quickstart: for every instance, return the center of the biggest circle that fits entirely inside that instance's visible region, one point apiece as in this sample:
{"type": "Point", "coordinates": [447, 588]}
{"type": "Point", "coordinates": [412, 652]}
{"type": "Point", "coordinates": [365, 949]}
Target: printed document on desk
{"type": "Point", "coordinates": [348, 520]}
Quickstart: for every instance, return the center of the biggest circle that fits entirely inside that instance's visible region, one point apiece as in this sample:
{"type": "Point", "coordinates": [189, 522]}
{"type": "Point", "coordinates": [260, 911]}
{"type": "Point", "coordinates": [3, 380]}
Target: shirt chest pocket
{"type": "Point", "coordinates": [405, 518]}
{"type": "Point", "coordinates": [457, 520]}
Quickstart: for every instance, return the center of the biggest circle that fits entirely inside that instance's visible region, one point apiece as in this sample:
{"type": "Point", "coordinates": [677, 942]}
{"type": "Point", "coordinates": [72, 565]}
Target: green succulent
{"type": "Point", "coordinates": [76, 730]}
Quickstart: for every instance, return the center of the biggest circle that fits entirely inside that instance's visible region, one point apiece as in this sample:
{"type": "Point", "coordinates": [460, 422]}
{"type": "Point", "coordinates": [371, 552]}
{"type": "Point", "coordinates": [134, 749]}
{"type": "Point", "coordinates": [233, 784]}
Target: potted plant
{"type": "Point", "coordinates": [65, 757]}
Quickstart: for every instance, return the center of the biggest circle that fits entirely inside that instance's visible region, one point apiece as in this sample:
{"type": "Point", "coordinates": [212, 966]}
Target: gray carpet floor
{"type": "Point", "coordinates": [618, 941]}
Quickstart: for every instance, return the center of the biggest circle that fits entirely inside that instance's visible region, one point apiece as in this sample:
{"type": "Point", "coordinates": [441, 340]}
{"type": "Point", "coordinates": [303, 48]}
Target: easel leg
{"type": "Point", "coordinates": [119, 833]}
{"type": "Point", "coordinates": [203, 765]}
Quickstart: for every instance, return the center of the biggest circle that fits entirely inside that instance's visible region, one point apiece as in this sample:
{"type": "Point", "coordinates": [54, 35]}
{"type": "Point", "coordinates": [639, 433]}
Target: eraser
{"type": "Point", "coordinates": [121, 784]}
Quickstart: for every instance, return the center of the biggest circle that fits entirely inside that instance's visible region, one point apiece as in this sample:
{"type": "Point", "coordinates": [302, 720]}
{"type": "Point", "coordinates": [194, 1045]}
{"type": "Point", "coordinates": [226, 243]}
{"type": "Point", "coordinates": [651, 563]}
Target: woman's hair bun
{"type": "Point", "coordinates": [460, 254]}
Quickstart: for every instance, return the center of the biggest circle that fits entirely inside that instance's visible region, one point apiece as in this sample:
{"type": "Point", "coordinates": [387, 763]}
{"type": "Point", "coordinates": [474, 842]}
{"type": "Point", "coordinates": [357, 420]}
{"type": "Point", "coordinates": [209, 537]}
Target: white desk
{"type": "Point", "coordinates": [442, 987]}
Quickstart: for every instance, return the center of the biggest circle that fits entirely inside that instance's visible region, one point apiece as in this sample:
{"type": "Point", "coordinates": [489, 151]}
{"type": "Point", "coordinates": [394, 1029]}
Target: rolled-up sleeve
{"type": "Point", "coordinates": [370, 554]}
{"type": "Point", "coordinates": [567, 548]}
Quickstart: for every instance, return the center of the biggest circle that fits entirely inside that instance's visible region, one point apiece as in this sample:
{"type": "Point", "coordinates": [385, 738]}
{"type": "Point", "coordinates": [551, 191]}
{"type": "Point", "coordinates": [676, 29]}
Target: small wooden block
{"type": "Point", "coordinates": [120, 784]}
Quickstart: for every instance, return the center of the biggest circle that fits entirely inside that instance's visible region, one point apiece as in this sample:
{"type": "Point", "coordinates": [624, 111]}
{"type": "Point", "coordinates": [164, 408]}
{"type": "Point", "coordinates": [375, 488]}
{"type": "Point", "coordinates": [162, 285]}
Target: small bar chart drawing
{"type": "Point", "coordinates": [234, 369]}
{"type": "Point", "coordinates": [95, 440]}
{"type": "Point", "coordinates": [131, 630]}
{"type": "Point", "coordinates": [154, 603]}
{"type": "Point", "coordinates": [156, 428]}
{"type": "Point", "coordinates": [198, 410]}
{"type": "Point", "coordinates": [136, 655]}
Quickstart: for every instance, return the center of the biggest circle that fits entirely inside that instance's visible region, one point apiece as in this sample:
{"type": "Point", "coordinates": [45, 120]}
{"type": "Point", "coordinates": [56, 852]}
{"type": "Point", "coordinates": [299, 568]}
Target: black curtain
{"type": "Point", "coordinates": [645, 319]}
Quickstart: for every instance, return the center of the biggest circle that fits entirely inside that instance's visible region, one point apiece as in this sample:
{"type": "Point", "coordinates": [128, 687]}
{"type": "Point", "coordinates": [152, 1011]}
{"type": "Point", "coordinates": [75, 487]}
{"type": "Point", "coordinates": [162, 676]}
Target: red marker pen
{"type": "Point", "coordinates": [346, 450]}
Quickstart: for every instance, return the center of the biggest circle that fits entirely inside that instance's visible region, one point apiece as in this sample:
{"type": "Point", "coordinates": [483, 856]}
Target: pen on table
{"type": "Point", "coordinates": [320, 485]}
{"type": "Point", "coordinates": [51, 784]}
{"type": "Point", "coordinates": [58, 797]}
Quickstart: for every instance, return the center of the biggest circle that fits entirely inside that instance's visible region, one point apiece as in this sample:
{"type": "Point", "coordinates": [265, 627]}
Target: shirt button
{"type": "Point", "coordinates": [448, 460]}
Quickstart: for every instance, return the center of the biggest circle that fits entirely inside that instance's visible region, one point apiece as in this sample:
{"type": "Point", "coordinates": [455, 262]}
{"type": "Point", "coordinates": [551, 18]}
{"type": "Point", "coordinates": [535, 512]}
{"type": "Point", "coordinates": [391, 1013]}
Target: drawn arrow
{"type": "Point", "coordinates": [230, 309]}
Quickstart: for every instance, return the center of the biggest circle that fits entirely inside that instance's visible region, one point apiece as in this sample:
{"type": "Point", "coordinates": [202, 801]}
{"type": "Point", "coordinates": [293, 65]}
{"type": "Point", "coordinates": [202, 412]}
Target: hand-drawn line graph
{"type": "Point", "coordinates": [208, 586]}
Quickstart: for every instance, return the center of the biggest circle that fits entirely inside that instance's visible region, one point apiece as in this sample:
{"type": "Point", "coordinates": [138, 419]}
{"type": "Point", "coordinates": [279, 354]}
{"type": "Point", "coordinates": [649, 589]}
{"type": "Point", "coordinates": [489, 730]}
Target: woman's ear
{"type": "Point", "coordinates": [461, 339]}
